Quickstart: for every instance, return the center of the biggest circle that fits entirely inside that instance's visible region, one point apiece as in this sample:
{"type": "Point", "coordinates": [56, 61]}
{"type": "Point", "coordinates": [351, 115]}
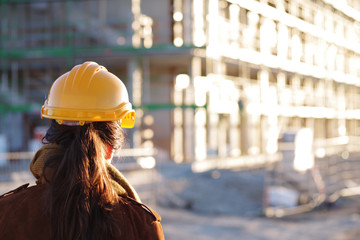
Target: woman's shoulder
{"type": "Point", "coordinates": [22, 214]}
{"type": "Point", "coordinates": [140, 208]}
{"type": "Point", "coordinates": [23, 198]}
{"type": "Point", "coordinates": [18, 189]}
{"type": "Point", "coordinates": [142, 221]}
{"type": "Point", "coordinates": [21, 192]}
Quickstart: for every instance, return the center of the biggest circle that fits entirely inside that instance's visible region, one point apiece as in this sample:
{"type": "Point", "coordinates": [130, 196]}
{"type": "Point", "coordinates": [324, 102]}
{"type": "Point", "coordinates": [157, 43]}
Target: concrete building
{"type": "Point", "coordinates": [214, 82]}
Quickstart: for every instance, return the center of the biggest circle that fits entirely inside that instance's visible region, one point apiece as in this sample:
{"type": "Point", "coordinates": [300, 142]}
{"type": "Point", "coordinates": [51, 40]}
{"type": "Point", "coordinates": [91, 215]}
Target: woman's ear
{"type": "Point", "coordinates": [109, 152]}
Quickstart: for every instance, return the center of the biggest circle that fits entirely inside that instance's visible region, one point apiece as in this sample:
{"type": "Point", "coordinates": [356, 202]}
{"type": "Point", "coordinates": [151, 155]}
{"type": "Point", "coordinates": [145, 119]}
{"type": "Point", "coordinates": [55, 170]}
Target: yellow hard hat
{"type": "Point", "coordinates": [89, 93]}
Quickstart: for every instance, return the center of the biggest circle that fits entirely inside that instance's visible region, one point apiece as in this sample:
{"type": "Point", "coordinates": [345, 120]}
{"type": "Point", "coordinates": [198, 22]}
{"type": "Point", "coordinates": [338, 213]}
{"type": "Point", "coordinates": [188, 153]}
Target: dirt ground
{"type": "Point", "coordinates": [223, 204]}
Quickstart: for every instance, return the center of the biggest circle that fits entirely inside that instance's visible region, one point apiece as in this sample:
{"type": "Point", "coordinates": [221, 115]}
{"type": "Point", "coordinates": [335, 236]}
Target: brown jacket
{"type": "Point", "coordinates": [22, 217]}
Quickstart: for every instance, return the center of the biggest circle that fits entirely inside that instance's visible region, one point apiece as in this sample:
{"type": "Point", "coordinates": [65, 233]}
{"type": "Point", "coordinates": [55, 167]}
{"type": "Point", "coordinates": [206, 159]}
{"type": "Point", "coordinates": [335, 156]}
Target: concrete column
{"type": "Point", "coordinates": [295, 86]}
{"type": "Point", "coordinates": [213, 31]}
{"type": "Point", "coordinates": [200, 134]}
{"type": "Point", "coordinates": [222, 136]}
{"type": "Point", "coordinates": [263, 77]}
{"type": "Point", "coordinates": [187, 20]}
{"type": "Point", "coordinates": [177, 141]}
{"type": "Point", "coordinates": [190, 127]}
{"type": "Point", "coordinates": [199, 21]}
{"type": "Point", "coordinates": [235, 134]}
{"type": "Point", "coordinates": [177, 138]}
{"type": "Point", "coordinates": [14, 82]}
{"type": "Point", "coordinates": [135, 97]}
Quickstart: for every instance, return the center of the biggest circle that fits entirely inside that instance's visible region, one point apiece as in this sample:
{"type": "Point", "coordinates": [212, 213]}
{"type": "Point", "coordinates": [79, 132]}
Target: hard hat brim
{"type": "Point", "coordinates": [123, 113]}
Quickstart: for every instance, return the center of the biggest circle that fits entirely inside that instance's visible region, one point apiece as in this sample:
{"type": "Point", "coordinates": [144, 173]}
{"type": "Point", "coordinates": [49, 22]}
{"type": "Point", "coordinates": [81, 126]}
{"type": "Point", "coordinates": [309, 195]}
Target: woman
{"type": "Point", "coordinates": [79, 194]}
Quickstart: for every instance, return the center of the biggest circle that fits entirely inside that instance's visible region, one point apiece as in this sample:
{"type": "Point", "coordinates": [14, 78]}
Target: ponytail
{"type": "Point", "coordinates": [80, 196]}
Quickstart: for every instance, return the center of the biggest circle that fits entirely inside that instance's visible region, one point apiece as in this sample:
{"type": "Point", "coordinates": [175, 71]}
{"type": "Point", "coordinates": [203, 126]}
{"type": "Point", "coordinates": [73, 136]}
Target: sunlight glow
{"type": "Point", "coordinates": [178, 42]}
{"type": "Point", "coordinates": [202, 86]}
{"type": "Point", "coordinates": [147, 162]}
{"type": "Point", "coordinates": [199, 37]}
{"type": "Point", "coordinates": [304, 157]}
{"type": "Point", "coordinates": [182, 81]}
{"type": "Point", "coordinates": [178, 16]}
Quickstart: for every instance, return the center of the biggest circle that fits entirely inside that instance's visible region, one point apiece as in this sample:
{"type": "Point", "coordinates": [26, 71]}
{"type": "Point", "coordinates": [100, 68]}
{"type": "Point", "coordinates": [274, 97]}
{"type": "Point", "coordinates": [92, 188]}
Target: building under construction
{"type": "Point", "coordinates": [214, 82]}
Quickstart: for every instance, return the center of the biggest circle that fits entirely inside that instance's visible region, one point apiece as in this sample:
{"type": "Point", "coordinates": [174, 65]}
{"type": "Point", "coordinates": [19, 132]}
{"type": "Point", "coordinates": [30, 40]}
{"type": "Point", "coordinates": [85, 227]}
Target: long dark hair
{"type": "Point", "coordinates": [80, 196]}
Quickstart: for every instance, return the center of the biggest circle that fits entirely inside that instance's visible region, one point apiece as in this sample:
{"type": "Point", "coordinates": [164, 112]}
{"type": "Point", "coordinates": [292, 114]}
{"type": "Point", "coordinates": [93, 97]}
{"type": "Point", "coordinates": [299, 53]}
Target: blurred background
{"type": "Point", "coordinates": [247, 111]}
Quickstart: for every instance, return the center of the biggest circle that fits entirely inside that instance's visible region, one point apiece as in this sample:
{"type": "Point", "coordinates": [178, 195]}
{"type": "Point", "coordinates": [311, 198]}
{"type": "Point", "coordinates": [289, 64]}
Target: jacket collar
{"type": "Point", "coordinates": [118, 180]}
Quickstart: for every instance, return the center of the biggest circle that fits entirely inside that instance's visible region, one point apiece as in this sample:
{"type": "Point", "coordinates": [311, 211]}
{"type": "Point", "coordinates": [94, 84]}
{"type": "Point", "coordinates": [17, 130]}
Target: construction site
{"type": "Point", "coordinates": [215, 84]}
